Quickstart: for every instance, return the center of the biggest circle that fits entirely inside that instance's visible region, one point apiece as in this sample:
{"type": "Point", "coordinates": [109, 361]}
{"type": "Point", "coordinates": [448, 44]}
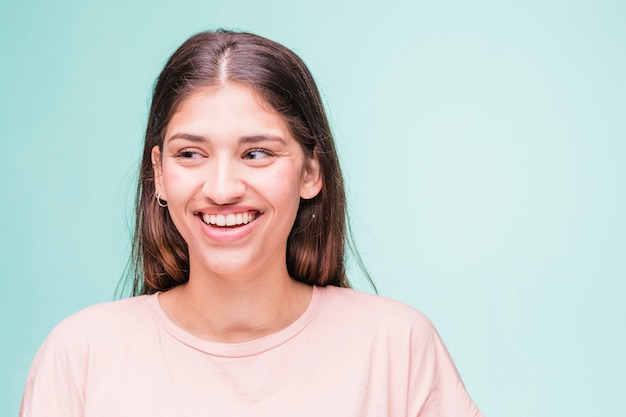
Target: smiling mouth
{"type": "Point", "coordinates": [229, 220]}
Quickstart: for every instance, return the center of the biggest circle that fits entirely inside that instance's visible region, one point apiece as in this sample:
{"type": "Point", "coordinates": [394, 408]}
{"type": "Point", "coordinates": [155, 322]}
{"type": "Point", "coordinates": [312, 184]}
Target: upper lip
{"type": "Point", "coordinates": [226, 210]}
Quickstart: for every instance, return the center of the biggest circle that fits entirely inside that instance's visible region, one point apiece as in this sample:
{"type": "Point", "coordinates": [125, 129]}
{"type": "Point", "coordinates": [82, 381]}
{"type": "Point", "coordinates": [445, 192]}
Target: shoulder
{"type": "Point", "coordinates": [94, 339]}
{"type": "Point", "coordinates": [351, 301]}
{"type": "Point", "coordinates": [85, 337]}
{"type": "Point", "coordinates": [375, 311]}
{"type": "Point", "coordinates": [116, 313]}
{"type": "Point", "coordinates": [100, 321]}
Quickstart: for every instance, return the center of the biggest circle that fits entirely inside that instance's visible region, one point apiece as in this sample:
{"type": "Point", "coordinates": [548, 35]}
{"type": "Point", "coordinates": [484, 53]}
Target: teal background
{"type": "Point", "coordinates": [483, 145]}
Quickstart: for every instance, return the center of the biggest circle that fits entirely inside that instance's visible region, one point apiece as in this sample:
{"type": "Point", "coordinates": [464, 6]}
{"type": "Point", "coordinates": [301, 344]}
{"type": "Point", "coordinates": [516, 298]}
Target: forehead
{"type": "Point", "coordinates": [228, 93]}
{"type": "Point", "coordinates": [230, 107]}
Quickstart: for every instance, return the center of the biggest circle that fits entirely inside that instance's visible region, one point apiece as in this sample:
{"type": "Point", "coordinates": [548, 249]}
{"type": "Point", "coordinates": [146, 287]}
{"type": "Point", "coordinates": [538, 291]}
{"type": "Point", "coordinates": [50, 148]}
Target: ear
{"type": "Point", "coordinates": [158, 172]}
{"type": "Point", "coordinates": [312, 177]}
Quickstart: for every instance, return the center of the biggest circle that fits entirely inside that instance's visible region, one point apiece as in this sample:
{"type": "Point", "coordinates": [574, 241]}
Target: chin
{"type": "Point", "coordinates": [235, 270]}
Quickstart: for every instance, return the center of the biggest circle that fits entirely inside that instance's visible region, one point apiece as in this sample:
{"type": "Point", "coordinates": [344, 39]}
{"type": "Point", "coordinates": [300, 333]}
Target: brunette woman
{"type": "Point", "coordinates": [242, 306]}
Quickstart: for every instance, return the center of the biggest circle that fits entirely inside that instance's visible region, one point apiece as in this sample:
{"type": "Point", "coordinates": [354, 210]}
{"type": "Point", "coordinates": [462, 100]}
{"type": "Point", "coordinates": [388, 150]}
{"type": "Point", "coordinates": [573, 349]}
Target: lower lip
{"type": "Point", "coordinates": [228, 234]}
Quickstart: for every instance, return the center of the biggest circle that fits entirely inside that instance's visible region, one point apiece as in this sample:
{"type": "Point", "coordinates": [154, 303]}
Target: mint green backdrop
{"type": "Point", "coordinates": [483, 144]}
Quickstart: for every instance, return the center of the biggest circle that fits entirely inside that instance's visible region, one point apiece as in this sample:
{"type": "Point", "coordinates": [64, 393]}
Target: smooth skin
{"type": "Point", "coordinates": [227, 152]}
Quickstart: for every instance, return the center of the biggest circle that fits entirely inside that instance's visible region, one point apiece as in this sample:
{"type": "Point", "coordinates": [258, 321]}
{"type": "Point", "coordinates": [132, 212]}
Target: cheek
{"type": "Point", "coordinates": [284, 188]}
{"type": "Point", "coordinates": [174, 177]}
{"type": "Point", "coordinates": [170, 179]}
{"type": "Point", "coordinates": [286, 179]}
{"type": "Point", "coordinates": [177, 184]}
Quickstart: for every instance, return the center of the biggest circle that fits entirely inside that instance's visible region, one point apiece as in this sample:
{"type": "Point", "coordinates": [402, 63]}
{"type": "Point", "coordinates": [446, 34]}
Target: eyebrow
{"type": "Point", "coordinates": [245, 139]}
{"type": "Point", "coordinates": [187, 136]}
{"type": "Point", "coordinates": [261, 138]}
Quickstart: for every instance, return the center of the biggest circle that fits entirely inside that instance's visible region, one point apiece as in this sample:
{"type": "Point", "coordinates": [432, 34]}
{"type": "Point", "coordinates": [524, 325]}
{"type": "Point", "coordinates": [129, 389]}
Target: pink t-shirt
{"type": "Point", "coordinates": [350, 355]}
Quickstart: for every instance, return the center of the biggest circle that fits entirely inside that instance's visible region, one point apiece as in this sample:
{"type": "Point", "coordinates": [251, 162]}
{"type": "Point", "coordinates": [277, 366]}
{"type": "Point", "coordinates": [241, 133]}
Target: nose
{"type": "Point", "coordinates": [224, 182]}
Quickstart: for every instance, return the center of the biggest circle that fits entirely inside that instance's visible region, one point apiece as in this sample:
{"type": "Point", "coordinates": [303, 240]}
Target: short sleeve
{"type": "Point", "coordinates": [56, 381]}
{"type": "Point", "coordinates": [432, 369]}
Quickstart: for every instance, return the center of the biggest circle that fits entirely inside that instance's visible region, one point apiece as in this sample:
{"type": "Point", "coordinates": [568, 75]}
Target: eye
{"type": "Point", "coordinates": [188, 154]}
{"type": "Point", "coordinates": [259, 153]}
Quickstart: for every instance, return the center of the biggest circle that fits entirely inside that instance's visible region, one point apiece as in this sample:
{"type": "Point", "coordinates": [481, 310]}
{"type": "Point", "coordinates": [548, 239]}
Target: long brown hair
{"type": "Point", "coordinates": [316, 243]}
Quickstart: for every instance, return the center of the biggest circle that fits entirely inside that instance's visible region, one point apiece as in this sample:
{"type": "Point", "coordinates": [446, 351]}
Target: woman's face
{"type": "Point", "coordinates": [233, 176]}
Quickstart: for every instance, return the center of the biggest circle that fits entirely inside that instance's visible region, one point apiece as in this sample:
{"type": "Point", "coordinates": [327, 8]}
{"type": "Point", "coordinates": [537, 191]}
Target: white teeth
{"type": "Point", "coordinates": [234, 219]}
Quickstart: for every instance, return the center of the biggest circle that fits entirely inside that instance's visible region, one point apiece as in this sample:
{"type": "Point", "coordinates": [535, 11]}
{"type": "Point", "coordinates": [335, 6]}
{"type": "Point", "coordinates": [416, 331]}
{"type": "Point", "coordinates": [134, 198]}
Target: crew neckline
{"type": "Point", "coordinates": [249, 348]}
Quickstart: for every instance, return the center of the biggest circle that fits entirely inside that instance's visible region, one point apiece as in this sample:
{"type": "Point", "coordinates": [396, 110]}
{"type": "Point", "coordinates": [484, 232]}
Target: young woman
{"type": "Point", "coordinates": [242, 303]}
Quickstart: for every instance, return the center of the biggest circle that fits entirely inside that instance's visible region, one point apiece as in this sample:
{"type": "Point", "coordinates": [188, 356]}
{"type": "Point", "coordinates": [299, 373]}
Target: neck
{"type": "Point", "coordinates": [219, 309]}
